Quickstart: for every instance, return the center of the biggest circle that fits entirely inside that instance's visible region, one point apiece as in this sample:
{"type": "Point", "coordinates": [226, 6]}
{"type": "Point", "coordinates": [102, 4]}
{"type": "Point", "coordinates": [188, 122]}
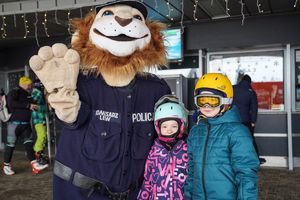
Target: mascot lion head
{"type": "Point", "coordinates": [118, 42]}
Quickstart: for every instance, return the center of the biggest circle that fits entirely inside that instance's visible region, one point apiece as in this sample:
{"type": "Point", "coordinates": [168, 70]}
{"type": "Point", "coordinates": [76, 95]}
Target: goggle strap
{"type": "Point", "coordinates": [226, 100]}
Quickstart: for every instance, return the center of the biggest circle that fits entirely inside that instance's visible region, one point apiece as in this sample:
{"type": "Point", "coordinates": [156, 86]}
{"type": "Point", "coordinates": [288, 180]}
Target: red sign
{"type": "Point", "coordinates": [269, 95]}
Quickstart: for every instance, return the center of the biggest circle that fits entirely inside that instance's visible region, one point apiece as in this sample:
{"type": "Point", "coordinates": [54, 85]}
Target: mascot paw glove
{"type": "Point", "coordinates": [66, 104]}
{"type": "Point", "coordinates": [57, 67]}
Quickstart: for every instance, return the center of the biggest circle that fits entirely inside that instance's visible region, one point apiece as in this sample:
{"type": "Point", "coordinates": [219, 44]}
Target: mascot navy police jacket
{"type": "Point", "coordinates": [104, 98]}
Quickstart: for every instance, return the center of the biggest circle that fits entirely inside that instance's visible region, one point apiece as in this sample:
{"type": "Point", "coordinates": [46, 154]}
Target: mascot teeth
{"type": "Point", "coordinates": [121, 37]}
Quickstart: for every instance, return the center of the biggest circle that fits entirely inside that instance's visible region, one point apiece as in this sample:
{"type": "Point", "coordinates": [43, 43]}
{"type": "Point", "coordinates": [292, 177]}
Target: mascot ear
{"type": "Point", "coordinates": [82, 26]}
{"type": "Point", "coordinates": [75, 37]}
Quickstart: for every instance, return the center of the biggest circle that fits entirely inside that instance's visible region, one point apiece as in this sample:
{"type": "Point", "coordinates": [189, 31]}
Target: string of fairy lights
{"type": "Point", "coordinates": [25, 25]}
{"type": "Point", "coordinates": [169, 5]}
{"type": "Point", "coordinates": [3, 27]}
{"type": "Point", "coordinates": [36, 29]}
{"type": "Point", "coordinates": [195, 10]}
{"type": "Point", "coordinates": [242, 11]}
{"type": "Point", "coordinates": [295, 4]}
{"type": "Point", "coordinates": [56, 18]}
{"type": "Point", "coordinates": [258, 4]}
{"type": "Point", "coordinates": [227, 8]}
{"type": "Point", "coordinates": [169, 10]}
{"type": "Point", "coordinates": [182, 17]}
{"type": "Point", "coordinates": [45, 24]}
{"type": "Point", "coordinates": [69, 24]}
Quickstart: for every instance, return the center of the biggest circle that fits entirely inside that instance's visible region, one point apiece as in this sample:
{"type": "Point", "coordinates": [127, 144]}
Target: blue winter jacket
{"type": "Point", "coordinates": [222, 160]}
{"type": "Point", "coordinates": [245, 99]}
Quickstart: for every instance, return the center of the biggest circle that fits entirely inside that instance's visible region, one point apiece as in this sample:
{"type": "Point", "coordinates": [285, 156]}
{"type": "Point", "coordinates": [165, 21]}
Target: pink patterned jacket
{"type": "Point", "coordinates": [165, 172]}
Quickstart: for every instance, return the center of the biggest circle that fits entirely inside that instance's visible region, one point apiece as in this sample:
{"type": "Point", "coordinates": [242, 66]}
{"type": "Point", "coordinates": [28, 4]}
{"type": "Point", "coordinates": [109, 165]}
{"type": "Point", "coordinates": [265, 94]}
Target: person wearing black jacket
{"type": "Point", "coordinates": [245, 99]}
{"type": "Point", "coordinates": [20, 105]}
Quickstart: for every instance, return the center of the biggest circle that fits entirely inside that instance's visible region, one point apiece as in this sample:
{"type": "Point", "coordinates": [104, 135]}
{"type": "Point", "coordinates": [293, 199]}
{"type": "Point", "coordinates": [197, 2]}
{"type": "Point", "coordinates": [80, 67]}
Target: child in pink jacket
{"type": "Point", "coordinates": [166, 166]}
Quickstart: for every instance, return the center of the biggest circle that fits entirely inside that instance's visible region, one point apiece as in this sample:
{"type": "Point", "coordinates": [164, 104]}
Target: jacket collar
{"type": "Point", "coordinates": [231, 115]}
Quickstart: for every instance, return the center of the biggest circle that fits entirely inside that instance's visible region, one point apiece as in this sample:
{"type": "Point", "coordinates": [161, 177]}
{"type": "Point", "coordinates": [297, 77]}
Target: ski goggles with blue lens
{"type": "Point", "coordinates": [211, 100]}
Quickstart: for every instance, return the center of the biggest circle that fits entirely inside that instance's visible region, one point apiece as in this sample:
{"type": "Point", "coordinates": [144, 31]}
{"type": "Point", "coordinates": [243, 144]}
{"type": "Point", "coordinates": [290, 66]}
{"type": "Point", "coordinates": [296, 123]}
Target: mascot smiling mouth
{"type": "Point", "coordinates": [121, 37]}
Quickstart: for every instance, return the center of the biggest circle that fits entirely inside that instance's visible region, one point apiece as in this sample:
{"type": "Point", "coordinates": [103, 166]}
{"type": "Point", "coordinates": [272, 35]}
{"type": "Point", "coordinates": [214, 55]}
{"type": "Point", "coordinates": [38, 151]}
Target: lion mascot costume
{"type": "Point", "coordinates": [104, 98]}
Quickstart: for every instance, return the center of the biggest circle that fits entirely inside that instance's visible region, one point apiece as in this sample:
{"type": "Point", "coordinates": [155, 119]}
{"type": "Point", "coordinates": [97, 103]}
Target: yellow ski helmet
{"type": "Point", "coordinates": [25, 80]}
{"type": "Point", "coordinates": [216, 82]}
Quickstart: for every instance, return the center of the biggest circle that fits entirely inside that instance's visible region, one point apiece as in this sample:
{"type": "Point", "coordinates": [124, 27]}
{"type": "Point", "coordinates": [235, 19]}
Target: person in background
{"type": "Point", "coordinates": [166, 166]}
{"type": "Point", "coordinates": [222, 160]}
{"type": "Point", "coordinates": [4, 114]}
{"type": "Point", "coordinates": [39, 122]}
{"type": "Point", "coordinates": [20, 104]}
{"type": "Point", "coordinates": [245, 99]}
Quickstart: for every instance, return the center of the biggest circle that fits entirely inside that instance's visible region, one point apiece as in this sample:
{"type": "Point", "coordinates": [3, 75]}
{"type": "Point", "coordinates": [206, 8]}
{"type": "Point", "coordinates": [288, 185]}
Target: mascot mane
{"type": "Point", "coordinates": [98, 61]}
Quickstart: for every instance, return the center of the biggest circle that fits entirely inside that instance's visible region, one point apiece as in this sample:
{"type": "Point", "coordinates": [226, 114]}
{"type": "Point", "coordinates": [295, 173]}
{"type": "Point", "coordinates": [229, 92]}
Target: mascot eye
{"type": "Point", "coordinates": [138, 17]}
{"type": "Point", "coordinates": [107, 13]}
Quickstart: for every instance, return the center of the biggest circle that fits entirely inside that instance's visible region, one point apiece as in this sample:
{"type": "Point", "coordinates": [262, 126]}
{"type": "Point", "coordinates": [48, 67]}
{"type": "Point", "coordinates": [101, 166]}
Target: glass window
{"type": "Point", "coordinates": [265, 69]}
{"type": "Point", "coordinates": [13, 79]}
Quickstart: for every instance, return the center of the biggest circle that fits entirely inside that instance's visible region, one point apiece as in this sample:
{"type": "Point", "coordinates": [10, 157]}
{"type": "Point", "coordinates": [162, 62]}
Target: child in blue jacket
{"type": "Point", "coordinates": [222, 160]}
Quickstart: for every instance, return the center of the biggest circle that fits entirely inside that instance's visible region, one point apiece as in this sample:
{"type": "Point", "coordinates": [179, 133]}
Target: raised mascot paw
{"type": "Point", "coordinates": [57, 67]}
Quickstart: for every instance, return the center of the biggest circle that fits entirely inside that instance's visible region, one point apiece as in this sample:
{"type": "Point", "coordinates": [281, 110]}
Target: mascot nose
{"type": "Point", "coordinates": [123, 22]}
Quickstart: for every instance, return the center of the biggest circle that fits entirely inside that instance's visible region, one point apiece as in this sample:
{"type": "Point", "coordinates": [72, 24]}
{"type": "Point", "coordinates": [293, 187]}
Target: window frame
{"type": "Point", "coordinates": [257, 50]}
{"type": "Point", "coordinates": [293, 78]}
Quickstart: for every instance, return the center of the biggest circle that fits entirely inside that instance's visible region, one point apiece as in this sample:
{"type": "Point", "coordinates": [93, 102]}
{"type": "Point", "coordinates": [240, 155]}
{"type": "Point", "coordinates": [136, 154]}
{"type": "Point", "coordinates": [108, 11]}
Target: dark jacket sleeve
{"type": "Point", "coordinates": [13, 102]}
{"type": "Point", "coordinates": [253, 107]}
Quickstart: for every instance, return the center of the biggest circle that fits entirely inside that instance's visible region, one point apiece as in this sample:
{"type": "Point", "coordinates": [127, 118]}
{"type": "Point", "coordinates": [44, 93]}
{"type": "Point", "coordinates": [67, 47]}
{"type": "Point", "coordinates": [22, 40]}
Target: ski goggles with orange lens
{"type": "Point", "coordinates": [211, 100]}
